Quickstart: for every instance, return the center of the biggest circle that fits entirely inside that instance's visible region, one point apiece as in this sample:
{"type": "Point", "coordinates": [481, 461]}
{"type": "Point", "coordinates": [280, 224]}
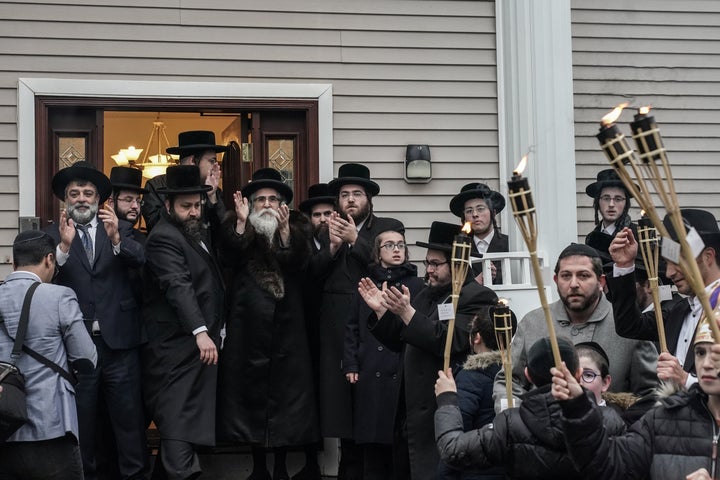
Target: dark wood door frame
{"type": "Point", "coordinates": [43, 196]}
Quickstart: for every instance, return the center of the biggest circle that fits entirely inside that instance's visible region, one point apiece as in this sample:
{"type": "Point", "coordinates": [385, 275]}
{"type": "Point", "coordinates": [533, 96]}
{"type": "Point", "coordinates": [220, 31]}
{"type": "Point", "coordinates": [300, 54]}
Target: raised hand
{"type": "Point", "coordinates": [398, 302]}
{"type": "Point", "coordinates": [110, 222]}
{"type": "Point", "coordinates": [66, 227]}
{"type": "Point", "coordinates": [669, 369]}
{"type": "Point", "coordinates": [344, 229]}
{"type": "Point", "coordinates": [564, 384]}
{"type": "Point", "coordinates": [372, 295]}
{"type": "Point", "coordinates": [284, 223]}
{"type": "Point", "coordinates": [623, 248]}
{"type": "Point", "coordinates": [445, 382]}
{"type": "Point", "coordinates": [242, 210]}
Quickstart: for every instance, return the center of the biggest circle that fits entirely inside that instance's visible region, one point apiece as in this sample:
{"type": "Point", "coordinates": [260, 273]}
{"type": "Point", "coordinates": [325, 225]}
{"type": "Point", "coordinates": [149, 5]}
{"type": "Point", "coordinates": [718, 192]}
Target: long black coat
{"type": "Point", "coordinates": [183, 291]}
{"type": "Point", "coordinates": [349, 266]}
{"type": "Point", "coordinates": [422, 343]}
{"type": "Point", "coordinates": [266, 393]}
{"type": "Point", "coordinates": [377, 366]}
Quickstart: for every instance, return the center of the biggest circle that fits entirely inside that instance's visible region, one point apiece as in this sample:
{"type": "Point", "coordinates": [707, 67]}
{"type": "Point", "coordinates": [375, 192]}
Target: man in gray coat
{"type": "Point", "coordinates": [47, 445]}
{"type": "Point", "coordinates": [582, 314]}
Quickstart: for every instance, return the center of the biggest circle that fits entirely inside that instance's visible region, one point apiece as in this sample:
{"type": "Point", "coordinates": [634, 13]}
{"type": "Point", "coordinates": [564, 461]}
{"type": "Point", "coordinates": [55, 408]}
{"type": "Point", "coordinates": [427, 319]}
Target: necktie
{"type": "Point", "coordinates": [86, 242]}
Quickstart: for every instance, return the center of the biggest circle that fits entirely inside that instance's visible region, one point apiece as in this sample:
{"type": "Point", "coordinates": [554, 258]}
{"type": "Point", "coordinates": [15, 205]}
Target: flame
{"type": "Point", "coordinates": [503, 302]}
{"type": "Point", "coordinates": [612, 116]}
{"type": "Point", "coordinates": [466, 228]}
{"type": "Point", "coordinates": [642, 213]}
{"type": "Point", "coordinates": [521, 166]}
{"type": "Point", "coordinates": [644, 110]}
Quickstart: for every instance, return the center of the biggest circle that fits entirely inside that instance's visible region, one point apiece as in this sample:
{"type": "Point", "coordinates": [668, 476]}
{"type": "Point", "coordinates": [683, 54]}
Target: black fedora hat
{"type": "Point", "coordinates": [81, 170]}
{"type": "Point", "coordinates": [183, 179]}
{"type": "Point", "coordinates": [476, 190]}
{"type": "Point", "coordinates": [317, 194]}
{"type": "Point", "coordinates": [268, 178]}
{"type": "Point", "coordinates": [703, 221]}
{"type": "Point", "coordinates": [356, 174]}
{"type": "Point", "coordinates": [441, 236]}
{"type": "Point", "coordinates": [606, 178]}
{"type": "Point", "coordinates": [126, 178]}
{"type": "Point", "coordinates": [195, 141]}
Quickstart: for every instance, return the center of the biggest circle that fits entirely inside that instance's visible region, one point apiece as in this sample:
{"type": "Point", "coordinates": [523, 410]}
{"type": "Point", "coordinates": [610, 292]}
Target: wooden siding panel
{"type": "Point", "coordinates": [664, 54]}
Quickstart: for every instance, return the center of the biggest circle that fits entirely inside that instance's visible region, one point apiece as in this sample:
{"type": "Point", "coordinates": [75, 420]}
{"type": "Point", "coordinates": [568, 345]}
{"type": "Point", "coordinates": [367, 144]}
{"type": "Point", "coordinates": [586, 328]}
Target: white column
{"type": "Point", "coordinates": [535, 111]}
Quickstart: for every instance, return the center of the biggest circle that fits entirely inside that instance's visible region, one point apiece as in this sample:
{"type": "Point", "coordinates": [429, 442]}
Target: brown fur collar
{"type": "Point", "coordinates": [481, 361]}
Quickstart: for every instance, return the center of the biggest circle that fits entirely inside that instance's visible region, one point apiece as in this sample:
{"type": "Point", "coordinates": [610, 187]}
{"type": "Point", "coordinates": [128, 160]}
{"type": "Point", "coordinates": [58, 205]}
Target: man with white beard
{"type": "Point", "coordinates": [265, 394]}
{"type": "Point", "coordinates": [95, 253]}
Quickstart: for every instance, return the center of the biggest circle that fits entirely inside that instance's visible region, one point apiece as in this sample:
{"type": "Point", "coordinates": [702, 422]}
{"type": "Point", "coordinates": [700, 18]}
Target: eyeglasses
{"type": "Point", "coordinates": [272, 199]}
{"type": "Point", "coordinates": [390, 246]}
{"type": "Point", "coordinates": [589, 376]}
{"type": "Point", "coordinates": [433, 263]}
{"type": "Point", "coordinates": [356, 194]}
{"type": "Point", "coordinates": [616, 199]}
{"type": "Point", "coordinates": [131, 200]}
{"type": "Point", "coordinates": [479, 209]}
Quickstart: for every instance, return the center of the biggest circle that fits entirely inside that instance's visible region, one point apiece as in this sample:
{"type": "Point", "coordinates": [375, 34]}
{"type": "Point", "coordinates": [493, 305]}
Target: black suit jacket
{"type": "Point", "coordinates": [499, 243]}
{"type": "Point", "coordinates": [631, 323]}
{"type": "Point", "coordinates": [104, 289]}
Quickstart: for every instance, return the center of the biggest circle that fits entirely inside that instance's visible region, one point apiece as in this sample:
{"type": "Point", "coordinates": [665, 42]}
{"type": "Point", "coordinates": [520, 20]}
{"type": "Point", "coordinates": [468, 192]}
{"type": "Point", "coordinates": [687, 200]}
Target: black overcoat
{"type": "Point", "coordinates": [422, 343]}
{"type": "Point", "coordinates": [377, 366]}
{"type": "Point", "coordinates": [266, 393]}
{"type": "Point", "coordinates": [183, 291]}
{"type": "Point", "coordinates": [349, 266]}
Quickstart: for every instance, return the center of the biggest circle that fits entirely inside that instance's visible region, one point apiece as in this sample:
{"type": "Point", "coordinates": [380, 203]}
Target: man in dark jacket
{"type": "Point", "coordinates": [528, 441]}
{"type": "Point", "coordinates": [681, 317]}
{"type": "Point", "coordinates": [416, 328]}
{"type": "Point", "coordinates": [266, 396]}
{"type": "Point", "coordinates": [96, 253]}
{"type": "Point", "coordinates": [183, 312]}
{"type": "Point", "coordinates": [357, 227]}
{"type": "Point", "coordinates": [677, 439]}
{"type": "Point", "coordinates": [195, 147]}
{"type": "Point", "coordinates": [478, 205]}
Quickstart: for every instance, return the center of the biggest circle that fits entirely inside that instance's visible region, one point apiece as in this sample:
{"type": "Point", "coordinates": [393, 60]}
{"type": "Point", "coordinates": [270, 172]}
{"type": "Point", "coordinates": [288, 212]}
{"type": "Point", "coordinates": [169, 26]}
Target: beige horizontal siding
{"type": "Point", "coordinates": [402, 72]}
{"type": "Point", "coordinates": [660, 53]}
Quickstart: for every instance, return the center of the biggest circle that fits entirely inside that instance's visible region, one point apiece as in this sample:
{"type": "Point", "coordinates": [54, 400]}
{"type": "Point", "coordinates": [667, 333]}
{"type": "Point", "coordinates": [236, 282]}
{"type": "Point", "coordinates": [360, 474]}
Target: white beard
{"type": "Point", "coordinates": [265, 223]}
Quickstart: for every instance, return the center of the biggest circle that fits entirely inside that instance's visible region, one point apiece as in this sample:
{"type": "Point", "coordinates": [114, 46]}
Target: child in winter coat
{"type": "Point", "coordinates": [677, 439]}
{"type": "Point", "coordinates": [475, 388]}
{"type": "Point", "coordinates": [528, 440]}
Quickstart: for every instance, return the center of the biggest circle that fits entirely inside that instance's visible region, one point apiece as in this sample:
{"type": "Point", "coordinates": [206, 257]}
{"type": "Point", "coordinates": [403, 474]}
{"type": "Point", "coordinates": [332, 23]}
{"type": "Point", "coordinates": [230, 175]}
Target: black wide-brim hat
{"type": "Point", "coordinates": [317, 194]}
{"type": "Point", "coordinates": [81, 170]}
{"type": "Point", "coordinates": [126, 178]}
{"type": "Point", "coordinates": [182, 180]}
{"type": "Point", "coordinates": [195, 141]}
{"type": "Point", "coordinates": [355, 174]}
{"type": "Point", "coordinates": [703, 221]}
{"type": "Point", "coordinates": [268, 178]}
{"type": "Point", "coordinates": [441, 237]}
{"type": "Point", "coordinates": [606, 178]}
{"type": "Point", "coordinates": [476, 190]}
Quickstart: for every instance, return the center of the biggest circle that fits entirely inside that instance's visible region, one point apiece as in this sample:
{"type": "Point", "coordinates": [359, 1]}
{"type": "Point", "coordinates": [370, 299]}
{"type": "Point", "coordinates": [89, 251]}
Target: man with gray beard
{"type": "Point", "coordinates": [265, 394]}
{"type": "Point", "coordinates": [95, 253]}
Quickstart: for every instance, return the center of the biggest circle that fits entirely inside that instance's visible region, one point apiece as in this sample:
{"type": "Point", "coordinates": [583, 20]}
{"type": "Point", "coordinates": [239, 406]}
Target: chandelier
{"type": "Point", "coordinates": [151, 165]}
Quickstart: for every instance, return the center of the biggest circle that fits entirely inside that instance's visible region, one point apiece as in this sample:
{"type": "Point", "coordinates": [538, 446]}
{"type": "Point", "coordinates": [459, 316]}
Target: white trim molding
{"type": "Point", "coordinates": [535, 112]}
{"type": "Point", "coordinates": [28, 88]}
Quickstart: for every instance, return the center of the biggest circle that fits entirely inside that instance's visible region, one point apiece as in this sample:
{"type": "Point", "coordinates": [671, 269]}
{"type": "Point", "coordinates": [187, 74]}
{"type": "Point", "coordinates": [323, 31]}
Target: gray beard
{"type": "Point", "coordinates": [265, 223]}
{"type": "Point", "coordinates": [80, 217]}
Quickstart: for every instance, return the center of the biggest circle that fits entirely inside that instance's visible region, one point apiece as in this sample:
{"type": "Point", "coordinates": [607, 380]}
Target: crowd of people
{"type": "Point", "coordinates": [258, 325]}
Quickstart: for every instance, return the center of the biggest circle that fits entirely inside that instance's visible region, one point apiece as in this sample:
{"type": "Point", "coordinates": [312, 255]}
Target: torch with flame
{"type": "Point", "coordinates": [653, 160]}
{"type": "Point", "coordinates": [649, 248]}
{"type": "Point", "coordinates": [459, 264]}
{"type": "Point", "coordinates": [524, 212]}
{"type": "Point", "coordinates": [502, 321]}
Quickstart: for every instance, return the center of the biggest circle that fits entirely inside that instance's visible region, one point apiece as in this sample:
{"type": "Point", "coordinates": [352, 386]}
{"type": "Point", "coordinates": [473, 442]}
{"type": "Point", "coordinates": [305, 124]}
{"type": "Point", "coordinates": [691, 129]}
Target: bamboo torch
{"type": "Point", "coordinates": [459, 264]}
{"type": "Point", "coordinates": [524, 212]}
{"type": "Point", "coordinates": [649, 249]}
{"type": "Point", "coordinates": [502, 320]}
{"type": "Point", "coordinates": [653, 161]}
